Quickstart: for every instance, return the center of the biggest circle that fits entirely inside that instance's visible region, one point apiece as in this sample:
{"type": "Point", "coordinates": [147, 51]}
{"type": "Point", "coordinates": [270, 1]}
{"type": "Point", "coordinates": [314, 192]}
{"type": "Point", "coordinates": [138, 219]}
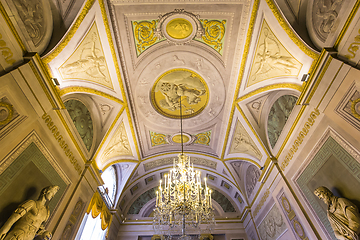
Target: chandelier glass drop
{"type": "Point", "coordinates": [183, 204]}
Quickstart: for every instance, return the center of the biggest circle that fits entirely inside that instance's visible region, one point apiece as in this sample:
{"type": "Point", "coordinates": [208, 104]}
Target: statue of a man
{"type": "Point", "coordinates": [29, 218]}
{"type": "Point", "coordinates": [343, 215]}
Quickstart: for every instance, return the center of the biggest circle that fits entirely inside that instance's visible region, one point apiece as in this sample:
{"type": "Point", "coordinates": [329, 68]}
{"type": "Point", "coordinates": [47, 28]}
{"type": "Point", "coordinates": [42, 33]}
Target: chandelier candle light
{"type": "Point", "coordinates": [182, 201]}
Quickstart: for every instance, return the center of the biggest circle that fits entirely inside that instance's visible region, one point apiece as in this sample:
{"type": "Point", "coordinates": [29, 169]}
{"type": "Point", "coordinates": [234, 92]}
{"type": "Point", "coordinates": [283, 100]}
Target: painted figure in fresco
{"type": "Point", "coordinates": [28, 220]}
{"type": "Point", "coordinates": [343, 215]}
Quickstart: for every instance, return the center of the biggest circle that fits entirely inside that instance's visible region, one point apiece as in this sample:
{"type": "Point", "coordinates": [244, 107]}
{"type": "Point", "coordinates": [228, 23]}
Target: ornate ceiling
{"type": "Point", "coordinates": [236, 66]}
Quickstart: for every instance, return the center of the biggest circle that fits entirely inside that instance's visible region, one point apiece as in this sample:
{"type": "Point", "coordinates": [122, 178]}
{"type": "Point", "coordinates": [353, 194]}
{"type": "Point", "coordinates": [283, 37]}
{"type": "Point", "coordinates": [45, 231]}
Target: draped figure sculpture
{"type": "Point", "coordinates": [343, 215]}
{"type": "Point", "coordinates": [29, 219]}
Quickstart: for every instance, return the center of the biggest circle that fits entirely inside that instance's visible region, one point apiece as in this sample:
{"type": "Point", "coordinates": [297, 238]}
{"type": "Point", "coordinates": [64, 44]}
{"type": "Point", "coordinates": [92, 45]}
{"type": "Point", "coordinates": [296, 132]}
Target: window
{"type": "Point", "coordinates": [109, 178]}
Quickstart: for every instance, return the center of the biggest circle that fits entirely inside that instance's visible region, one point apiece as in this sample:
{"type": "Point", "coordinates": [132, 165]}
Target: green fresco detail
{"type": "Point", "coordinates": [214, 34]}
{"type": "Point", "coordinates": [279, 114]}
{"type": "Point", "coordinates": [142, 200]}
{"type": "Point", "coordinates": [222, 201]}
{"type": "Point", "coordinates": [144, 35]}
{"type": "Point", "coordinates": [151, 193]}
{"type": "Point", "coordinates": [81, 118]}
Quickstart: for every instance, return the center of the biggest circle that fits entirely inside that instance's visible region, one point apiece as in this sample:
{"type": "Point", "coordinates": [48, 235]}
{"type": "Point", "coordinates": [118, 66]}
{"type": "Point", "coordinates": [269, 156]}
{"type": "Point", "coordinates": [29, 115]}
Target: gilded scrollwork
{"type": "Point", "coordinates": [6, 113]}
{"type": "Point", "coordinates": [144, 32]}
{"type": "Point", "coordinates": [214, 31]}
{"type": "Point", "coordinates": [203, 138]}
{"type": "Point", "coordinates": [6, 52]}
{"type": "Point", "coordinates": [273, 225]}
{"type": "Point", "coordinates": [158, 139]}
{"type": "Point", "coordinates": [354, 47]}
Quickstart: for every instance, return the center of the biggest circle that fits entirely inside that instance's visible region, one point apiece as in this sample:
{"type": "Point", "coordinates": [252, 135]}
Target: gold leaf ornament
{"type": "Point", "coordinates": [157, 138]}
{"type": "Point", "coordinates": [144, 34]}
{"type": "Point", "coordinates": [214, 33]}
{"type": "Point", "coordinates": [203, 138]}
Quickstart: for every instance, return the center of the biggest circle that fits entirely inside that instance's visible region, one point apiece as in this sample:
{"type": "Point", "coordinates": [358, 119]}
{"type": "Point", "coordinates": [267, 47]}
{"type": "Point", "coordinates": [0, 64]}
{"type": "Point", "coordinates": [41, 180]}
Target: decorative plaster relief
{"type": "Point", "coordinates": [255, 107]}
{"type": "Point", "coordinates": [324, 15]}
{"type": "Point", "coordinates": [349, 106]}
{"type": "Point", "coordinates": [9, 117]}
{"type": "Point", "coordinates": [180, 85]}
{"type": "Point", "coordinates": [118, 146]}
{"type": "Point", "coordinates": [243, 143]}
{"type": "Point", "coordinates": [203, 138]}
{"type": "Point", "coordinates": [237, 168]}
{"type": "Point", "coordinates": [31, 13]}
{"type": "Point", "coordinates": [88, 62]}
{"type": "Point", "coordinates": [158, 139]}
{"type": "Point", "coordinates": [278, 115]}
{"type": "Point", "coordinates": [214, 32]}
{"type": "Point", "coordinates": [271, 59]}
{"type": "Point", "coordinates": [70, 227]}
{"type": "Point", "coordinates": [169, 161]}
{"type": "Point", "coordinates": [273, 225]}
{"type": "Point", "coordinates": [81, 118]}
{"type": "Point", "coordinates": [252, 176]}
{"type": "Point", "coordinates": [293, 220]}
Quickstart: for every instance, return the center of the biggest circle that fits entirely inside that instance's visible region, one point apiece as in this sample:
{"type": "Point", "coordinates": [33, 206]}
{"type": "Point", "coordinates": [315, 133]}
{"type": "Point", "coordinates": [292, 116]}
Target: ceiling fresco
{"type": "Point", "coordinates": [225, 66]}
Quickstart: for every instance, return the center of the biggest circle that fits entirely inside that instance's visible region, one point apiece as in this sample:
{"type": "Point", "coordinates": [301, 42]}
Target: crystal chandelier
{"type": "Point", "coordinates": [182, 202]}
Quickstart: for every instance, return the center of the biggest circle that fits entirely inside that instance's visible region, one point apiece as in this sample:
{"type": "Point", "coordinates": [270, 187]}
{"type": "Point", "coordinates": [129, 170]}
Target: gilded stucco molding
{"type": "Point", "coordinates": [347, 24]}
{"type": "Point", "coordinates": [69, 90]}
{"type": "Point", "coordinates": [12, 28]}
{"type": "Point", "coordinates": [269, 88]}
{"type": "Point", "coordinates": [293, 36]}
{"type": "Point", "coordinates": [262, 202]}
{"type": "Point", "coordinates": [58, 49]}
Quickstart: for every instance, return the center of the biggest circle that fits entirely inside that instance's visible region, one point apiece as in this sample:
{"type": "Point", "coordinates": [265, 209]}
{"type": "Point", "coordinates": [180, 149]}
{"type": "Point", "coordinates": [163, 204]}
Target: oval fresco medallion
{"type": "Point", "coordinates": [176, 85]}
{"type": "Point", "coordinates": [179, 28]}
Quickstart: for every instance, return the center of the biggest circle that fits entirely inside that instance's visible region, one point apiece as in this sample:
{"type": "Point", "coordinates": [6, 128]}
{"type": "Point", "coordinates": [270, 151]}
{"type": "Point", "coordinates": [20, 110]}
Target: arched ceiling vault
{"type": "Point", "coordinates": [130, 63]}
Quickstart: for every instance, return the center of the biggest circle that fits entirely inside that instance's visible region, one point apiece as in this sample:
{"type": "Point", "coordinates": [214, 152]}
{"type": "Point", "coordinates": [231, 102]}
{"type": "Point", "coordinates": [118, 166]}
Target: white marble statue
{"type": "Point", "coordinates": [28, 220]}
{"type": "Point", "coordinates": [343, 215]}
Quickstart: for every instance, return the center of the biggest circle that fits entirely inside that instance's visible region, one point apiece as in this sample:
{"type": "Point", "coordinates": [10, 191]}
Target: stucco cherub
{"type": "Point", "coordinates": [343, 215]}
{"type": "Point", "coordinates": [28, 220]}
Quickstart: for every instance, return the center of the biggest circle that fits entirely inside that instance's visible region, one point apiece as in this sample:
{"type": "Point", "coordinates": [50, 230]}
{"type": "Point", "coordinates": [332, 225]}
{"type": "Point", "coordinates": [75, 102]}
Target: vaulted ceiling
{"type": "Point", "coordinates": [236, 66]}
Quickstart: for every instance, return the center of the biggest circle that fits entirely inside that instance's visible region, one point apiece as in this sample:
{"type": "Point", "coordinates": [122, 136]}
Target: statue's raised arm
{"type": "Point", "coordinates": [29, 218]}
